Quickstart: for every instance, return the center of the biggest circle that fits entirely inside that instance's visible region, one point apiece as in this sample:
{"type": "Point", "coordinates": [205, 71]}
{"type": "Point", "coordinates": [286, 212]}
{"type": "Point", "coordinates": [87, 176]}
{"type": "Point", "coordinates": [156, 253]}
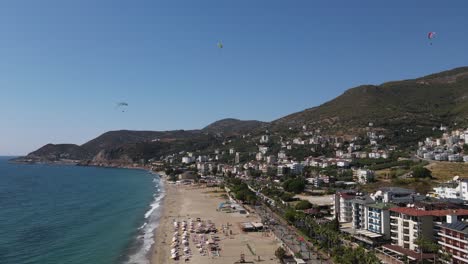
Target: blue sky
{"type": "Point", "coordinates": [65, 64]}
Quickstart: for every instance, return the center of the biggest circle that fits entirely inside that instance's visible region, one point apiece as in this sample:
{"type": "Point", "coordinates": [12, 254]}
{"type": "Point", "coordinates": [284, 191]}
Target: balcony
{"type": "Point", "coordinates": [451, 237]}
{"type": "Point", "coordinates": [460, 258]}
{"type": "Point", "coordinates": [453, 247]}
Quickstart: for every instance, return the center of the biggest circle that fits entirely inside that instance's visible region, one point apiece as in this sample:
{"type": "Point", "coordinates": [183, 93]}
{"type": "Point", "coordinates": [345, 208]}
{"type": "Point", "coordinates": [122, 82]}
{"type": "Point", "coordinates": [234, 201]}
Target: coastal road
{"type": "Point", "coordinates": [289, 236]}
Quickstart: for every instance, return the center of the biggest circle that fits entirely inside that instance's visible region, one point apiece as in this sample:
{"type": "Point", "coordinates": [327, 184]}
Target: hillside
{"type": "Point", "coordinates": [427, 102]}
{"type": "Point", "coordinates": [126, 146]}
{"type": "Point", "coordinates": [60, 151]}
{"type": "Point", "coordinates": [118, 138]}
{"type": "Point", "coordinates": [233, 126]}
{"type": "Point", "coordinates": [406, 110]}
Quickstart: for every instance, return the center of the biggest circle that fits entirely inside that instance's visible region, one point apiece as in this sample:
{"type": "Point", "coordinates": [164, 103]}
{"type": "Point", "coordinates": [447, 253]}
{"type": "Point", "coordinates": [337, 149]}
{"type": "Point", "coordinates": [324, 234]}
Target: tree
{"type": "Point", "coordinates": [272, 171]}
{"type": "Point", "coordinates": [172, 178]}
{"type": "Point", "coordinates": [303, 205]}
{"type": "Point", "coordinates": [169, 171]}
{"type": "Point", "coordinates": [421, 172]}
{"type": "Point", "coordinates": [426, 245]}
{"type": "Point", "coordinates": [335, 224]}
{"type": "Point", "coordinates": [294, 185]}
{"type": "Point", "coordinates": [280, 253]}
{"type": "Point", "coordinates": [287, 197]}
{"type": "Point", "coordinates": [290, 215]}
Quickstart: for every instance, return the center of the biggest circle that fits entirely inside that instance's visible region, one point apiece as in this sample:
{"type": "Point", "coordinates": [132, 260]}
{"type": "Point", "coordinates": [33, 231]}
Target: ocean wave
{"type": "Point", "coordinates": [146, 237]}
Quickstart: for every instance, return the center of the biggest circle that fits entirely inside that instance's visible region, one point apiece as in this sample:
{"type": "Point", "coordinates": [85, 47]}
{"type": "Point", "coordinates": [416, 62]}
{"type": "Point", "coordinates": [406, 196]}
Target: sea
{"type": "Point", "coordinates": [67, 214]}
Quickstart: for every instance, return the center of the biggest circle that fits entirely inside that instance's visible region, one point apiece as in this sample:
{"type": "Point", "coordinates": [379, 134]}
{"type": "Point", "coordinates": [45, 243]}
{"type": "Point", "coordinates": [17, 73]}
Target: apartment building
{"type": "Point", "coordinates": [343, 207]}
{"type": "Point", "coordinates": [453, 238]}
{"type": "Point", "coordinates": [378, 215]}
{"type": "Point", "coordinates": [407, 224]}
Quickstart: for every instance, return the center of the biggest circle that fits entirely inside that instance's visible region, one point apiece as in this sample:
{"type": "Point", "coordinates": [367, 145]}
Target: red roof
{"type": "Point", "coordinates": [347, 195]}
{"type": "Point", "coordinates": [410, 253]}
{"type": "Point", "coordinates": [421, 212]}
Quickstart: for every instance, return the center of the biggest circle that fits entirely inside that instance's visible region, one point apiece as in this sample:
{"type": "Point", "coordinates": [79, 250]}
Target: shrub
{"type": "Point", "coordinates": [303, 205]}
{"type": "Point", "coordinates": [421, 172]}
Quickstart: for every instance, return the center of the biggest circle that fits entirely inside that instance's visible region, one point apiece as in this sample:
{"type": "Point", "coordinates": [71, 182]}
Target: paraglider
{"type": "Point", "coordinates": [220, 45]}
{"type": "Point", "coordinates": [122, 106]}
{"type": "Point", "coordinates": [431, 35]}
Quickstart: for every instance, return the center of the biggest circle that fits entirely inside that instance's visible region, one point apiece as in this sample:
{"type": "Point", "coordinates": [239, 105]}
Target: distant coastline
{"type": "Point", "coordinates": [31, 161]}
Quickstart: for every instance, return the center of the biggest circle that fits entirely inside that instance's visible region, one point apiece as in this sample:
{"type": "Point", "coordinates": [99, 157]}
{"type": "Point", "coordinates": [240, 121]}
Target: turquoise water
{"type": "Point", "coordinates": [69, 214]}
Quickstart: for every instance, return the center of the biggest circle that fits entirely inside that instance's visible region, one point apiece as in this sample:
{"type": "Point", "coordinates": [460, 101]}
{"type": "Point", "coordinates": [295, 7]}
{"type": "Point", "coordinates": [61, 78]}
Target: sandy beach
{"type": "Point", "coordinates": [183, 203]}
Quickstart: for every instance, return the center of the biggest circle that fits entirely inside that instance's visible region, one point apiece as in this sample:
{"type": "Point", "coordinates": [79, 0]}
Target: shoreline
{"type": "Point", "coordinates": [150, 222]}
{"type": "Point", "coordinates": [157, 254]}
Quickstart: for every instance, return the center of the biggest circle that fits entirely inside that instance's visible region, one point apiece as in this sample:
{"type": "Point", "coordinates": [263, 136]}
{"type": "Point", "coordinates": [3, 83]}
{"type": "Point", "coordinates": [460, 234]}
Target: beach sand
{"type": "Point", "coordinates": [183, 202]}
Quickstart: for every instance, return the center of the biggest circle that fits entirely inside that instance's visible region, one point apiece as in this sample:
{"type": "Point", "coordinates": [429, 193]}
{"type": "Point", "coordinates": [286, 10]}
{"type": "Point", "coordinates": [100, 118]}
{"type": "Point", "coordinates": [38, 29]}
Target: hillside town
{"type": "Point", "coordinates": [336, 199]}
{"type": "Point", "coordinates": [449, 147]}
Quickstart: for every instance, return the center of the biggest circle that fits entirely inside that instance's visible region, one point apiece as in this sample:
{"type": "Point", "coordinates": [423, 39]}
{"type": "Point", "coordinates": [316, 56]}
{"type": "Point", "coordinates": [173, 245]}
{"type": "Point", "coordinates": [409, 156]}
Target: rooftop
{"type": "Point", "coordinates": [410, 253]}
{"type": "Point", "coordinates": [419, 212]}
{"type": "Point", "coordinates": [462, 227]}
{"type": "Point", "coordinates": [382, 205]}
{"type": "Point", "coordinates": [396, 190]}
{"type": "Point", "coordinates": [363, 200]}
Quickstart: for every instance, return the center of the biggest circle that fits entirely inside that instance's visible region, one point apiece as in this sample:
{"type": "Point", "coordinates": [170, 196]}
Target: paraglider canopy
{"type": "Point", "coordinates": [220, 45]}
{"type": "Point", "coordinates": [430, 36]}
{"type": "Point", "coordinates": [122, 106]}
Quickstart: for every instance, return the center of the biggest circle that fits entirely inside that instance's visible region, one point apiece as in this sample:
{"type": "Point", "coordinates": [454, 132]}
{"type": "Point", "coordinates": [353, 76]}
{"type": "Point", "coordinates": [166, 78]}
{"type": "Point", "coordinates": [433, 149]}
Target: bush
{"type": "Point", "coordinates": [421, 172]}
{"type": "Point", "coordinates": [287, 197]}
{"type": "Point", "coordinates": [303, 205]}
{"type": "Point", "coordinates": [280, 253]}
{"type": "Point", "coordinates": [294, 185]}
{"type": "Point", "coordinates": [290, 215]}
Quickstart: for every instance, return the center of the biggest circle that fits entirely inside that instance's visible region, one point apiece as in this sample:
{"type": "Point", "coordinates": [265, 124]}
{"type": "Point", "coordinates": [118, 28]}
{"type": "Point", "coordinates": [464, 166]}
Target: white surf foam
{"type": "Point", "coordinates": [146, 239]}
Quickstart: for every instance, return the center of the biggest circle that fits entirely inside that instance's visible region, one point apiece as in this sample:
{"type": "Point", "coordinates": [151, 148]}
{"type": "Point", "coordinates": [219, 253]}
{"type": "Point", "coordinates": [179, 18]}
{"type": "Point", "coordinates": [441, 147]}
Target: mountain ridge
{"type": "Point", "coordinates": [425, 102]}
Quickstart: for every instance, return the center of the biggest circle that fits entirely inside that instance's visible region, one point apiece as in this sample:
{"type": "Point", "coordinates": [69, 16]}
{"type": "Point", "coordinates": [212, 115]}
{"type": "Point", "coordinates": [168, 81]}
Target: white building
{"type": "Point", "coordinates": [264, 139]}
{"type": "Point", "coordinates": [263, 149]}
{"type": "Point", "coordinates": [343, 207]}
{"type": "Point", "coordinates": [259, 156]}
{"type": "Point", "coordinates": [296, 168]}
{"type": "Point", "coordinates": [202, 159]}
{"type": "Point", "coordinates": [281, 155]}
{"type": "Point", "coordinates": [459, 191]}
{"type": "Point", "coordinates": [188, 160]}
{"type": "Point", "coordinates": [455, 157]}
{"type": "Point", "coordinates": [441, 156]}
{"type": "Point", "coordinates": [407, 224]}
{"type": "Point", "coordinates": [342, 163]}
{"type": "Point", "coordinates": [271, 159]}
{"type": "Point", "coordinates": [364, 176]}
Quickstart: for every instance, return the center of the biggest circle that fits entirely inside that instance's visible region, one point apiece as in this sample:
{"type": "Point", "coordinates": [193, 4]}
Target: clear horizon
{"type": "Point", "coordinates": [66, 65]}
